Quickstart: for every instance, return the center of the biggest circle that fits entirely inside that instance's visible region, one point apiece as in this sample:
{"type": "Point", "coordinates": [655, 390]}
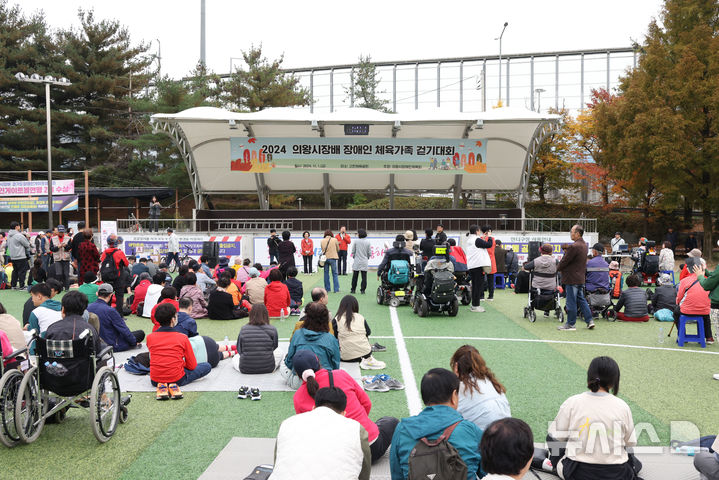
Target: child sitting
{"type": "Point", "coordinates": [172, 360]}
{"type": "Point", "coordinates": [634, 301]}
{"type": "Point", "coordinates": [89, 286]}
{"type": "Point", "coordinates": [352, 332]}
{"type": "Point", "coordinates": [296, 291]}
{"type": "Point", "coordinates": [167, 295]}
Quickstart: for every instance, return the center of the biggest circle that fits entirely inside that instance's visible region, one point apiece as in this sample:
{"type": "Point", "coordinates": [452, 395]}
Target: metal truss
{"type": "Point", "coordinates": [545, 129]}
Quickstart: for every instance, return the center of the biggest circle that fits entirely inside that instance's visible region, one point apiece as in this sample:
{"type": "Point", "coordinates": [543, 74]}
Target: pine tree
{"type": "Point", "coordinates": [365, 82]}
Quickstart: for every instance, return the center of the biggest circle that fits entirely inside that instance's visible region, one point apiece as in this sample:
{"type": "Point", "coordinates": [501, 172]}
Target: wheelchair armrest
{"type": "Point", "coordinates": [15, 354]}
{"type": "Point", "coordinates": [104, 352]}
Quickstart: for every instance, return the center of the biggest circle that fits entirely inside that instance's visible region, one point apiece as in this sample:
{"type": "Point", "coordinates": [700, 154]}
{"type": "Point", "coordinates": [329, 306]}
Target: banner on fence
{"type": "Point", "coordinates": [38, 204]}
{"type": "Point", "coordinates": [31, 188]}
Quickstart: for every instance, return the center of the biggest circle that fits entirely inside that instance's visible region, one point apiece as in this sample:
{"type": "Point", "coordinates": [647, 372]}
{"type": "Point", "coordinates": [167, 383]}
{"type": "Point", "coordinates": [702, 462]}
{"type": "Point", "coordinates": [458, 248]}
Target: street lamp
{"type": "Point", "coordinates": [300, 201]}
{"type": "Point", "coordinates": [159, 59]}
{"type": "Point", "coordinates": [539, 92]}
{"type": "Point", "coordinates": [47, 80]}
{"type": "Point", "coordinates": [500, 59]}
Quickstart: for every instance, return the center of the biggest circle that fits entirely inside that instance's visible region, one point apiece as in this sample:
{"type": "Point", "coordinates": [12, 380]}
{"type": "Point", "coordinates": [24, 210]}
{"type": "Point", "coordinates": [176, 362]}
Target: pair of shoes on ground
{"type": "Point", "coordinates": [371, 363]}
{"type": "Point", "coordinates": [166, 391]}
{"type": "Point", "coordinates": [571, 328]}
{"type": "Point", "coordinates": [477, 309]}
{"type": "Point", "coordinates": [295, 312]}
{"type": "Point", "coordinates": [378, 348]}
{"type": "Point", "coordinates": [253, 393]}
{"type": "Point", "coordinates": [381, 383]}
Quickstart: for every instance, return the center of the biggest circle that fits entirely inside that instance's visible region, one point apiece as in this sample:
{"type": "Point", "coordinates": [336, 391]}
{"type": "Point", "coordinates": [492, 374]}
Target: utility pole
{"type": "Point", "coordinates": [500, 61]}
{"type": "Point", "coordinates": [203, 58]}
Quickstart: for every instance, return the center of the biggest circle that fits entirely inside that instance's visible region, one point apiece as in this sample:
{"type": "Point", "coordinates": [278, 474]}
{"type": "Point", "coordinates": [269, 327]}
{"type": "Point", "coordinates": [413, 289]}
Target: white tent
{"type": "Point", "coordinates": [510, 138]}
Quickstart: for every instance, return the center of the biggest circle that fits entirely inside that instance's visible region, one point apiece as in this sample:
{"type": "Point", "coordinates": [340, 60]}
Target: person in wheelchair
{"type": "Point", "coordinates": [544, 279]}
{"type": "Point", "coordinates": [397, 252]}
{"type": "Point", "coordinates": [439, 261]}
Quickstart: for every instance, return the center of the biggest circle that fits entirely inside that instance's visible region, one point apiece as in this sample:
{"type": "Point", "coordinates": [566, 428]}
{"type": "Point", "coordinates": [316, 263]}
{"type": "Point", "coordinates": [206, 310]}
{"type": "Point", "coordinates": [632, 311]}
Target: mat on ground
{"type": "Point", "coordinates": [222, 378]}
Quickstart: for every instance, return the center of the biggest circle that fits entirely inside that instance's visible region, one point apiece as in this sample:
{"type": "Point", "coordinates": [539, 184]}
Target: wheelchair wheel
{"type": "Point", "coordinates": [394, 302]}
{"type": "Point", "coordinates": [29, 408]}
{"type": "Point", "coordinates": [454, 309]}
{"type": "Point", "coordinates": [423, 308]}
{"type": "Point", "coordinates": [9, 387]}
{"type": "Point", "coordinates": [560, 315]}
{"type": "Point", "coordinates": [532, 315]}
{"type": "Point", "coordinates": [380, 296]}
{"type": "Point", "coordinates": [105, 404]}
{"type": "Point", "coordinates": [526, 312]}
{"type": "Point", "coordinates": [466, 297]}
{"type": "Point", "coordinates": [123, 414]}
{"type": "Point", "coordinates": [611, 315]}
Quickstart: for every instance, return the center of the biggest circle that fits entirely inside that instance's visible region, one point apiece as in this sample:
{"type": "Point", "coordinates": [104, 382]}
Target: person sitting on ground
{"type": "Point", "coordinates": [237, 264]}
{"type": "Point", "coordinates": [326, 424]}
{"type": "Point", "coordinates": [707, 463]}
{"type": "Point", "coordinates": [193, 292]}
{"type": "Point", "coordinates": [203, 280]}
{"type": "Point", "coordinates": [181, 278]}
{"type": "Point", "coordinates": [439, 261]}
{"type": "Point", "coordinates": [255, 287]}
{"type": "Point", "coordinates": [11, 326]}
{"type": "Point", "coordinates": [72, 325]}
{"type": "Point", "coordinates": [318, 294]}
{"type": "Point", "coordinates": [172, 360]}
{"type": "Point", "coordinates": [482, 397]}
{"type": "Point", "coordinates": [296, 290]}
{"type": "Point", "coordinates": [29, 306]}
{"type": "Point", "coordinates": [612, 425]}
{"type": "Point", "coordinates": [397, 252]}
{"type": "Point", "coordinates": [223, 264]}
{"type": "Point", "coordinates": [314, 335]}
{"type": "Point", "coordinates": [544, 270]}
{"type": "Point", "coordinates": [205, 348]}
{"type": "Point", "coordinates": [359, 404]}
{"type": "Point", "coordinates": [37, 274]}
{"type": "Point", "coordinates": [634, 300]}
{"type": "Point", "coordinates": [89, 286]}
{"type": "Point", "coordinates": [440, 394]}
{"type": "Point", "coordinates": [185, 322]}
{"type": "Point", "coordinates": [257, 343]}
{"type": "Point", "coordinates": [233, 289]}
{"type": "Point", "coordinates": [664, 298]}
{"type": "Point", "coordinates": [47, 311]}
{"type": "Point", "coordinates": [352, 332]}
{"type": "Point", "coordinates": [597, 271]}
{"type": "Point", "coordinates": [167, 295]}
{"type": "Point", "coordinates": [685, 270]}
{"type": "Point", "coordinates": [277, 296]}
{"type": "Point", "coordinates": [138, 297]}
{"type": "Point", "coordinates": [666, 258]}
{"type": "Point", "coordinates": [152, 296]}
{"type": "Point", "coordinates": [205, 267]}
{"type": "Point", "coordinates": [243, 274]}
{"type": "Point", "coordinates": [140, 268]}
{"type": "Point", "coordinates": [113, 329]}
{"type": "Point", "coordinates": [266, 273]}
{"type": "Point", "coordinates": [507, 449]}
{"type": "Point", "coordinates": [220, 305]}
{"type": "Point", "coordinates": [694, 300]}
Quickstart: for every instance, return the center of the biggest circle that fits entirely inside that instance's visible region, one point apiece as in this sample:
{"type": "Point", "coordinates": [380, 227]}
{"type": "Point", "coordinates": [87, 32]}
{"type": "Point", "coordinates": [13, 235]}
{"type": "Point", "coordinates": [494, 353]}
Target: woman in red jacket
{"type": "Point", "coordinates": [487, 237]}
{"type": "Point", "coordinates": [307, 249]}
{"type": "Point", "coordinates": [694, 300]}
{"type": "Point", "coordinates": [277, 296]}
{"type": "Point", "coordinates": [307, 366]}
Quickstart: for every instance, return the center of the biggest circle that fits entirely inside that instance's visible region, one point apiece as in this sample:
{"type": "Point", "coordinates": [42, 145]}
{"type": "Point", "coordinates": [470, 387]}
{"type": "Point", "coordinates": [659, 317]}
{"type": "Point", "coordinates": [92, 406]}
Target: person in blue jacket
{"type": "Point", "coordinates": [315, 336]}
{"type": "Point", "coordinates": [113, 329]}
{"type": "Point", "coordinates": [440, 395]}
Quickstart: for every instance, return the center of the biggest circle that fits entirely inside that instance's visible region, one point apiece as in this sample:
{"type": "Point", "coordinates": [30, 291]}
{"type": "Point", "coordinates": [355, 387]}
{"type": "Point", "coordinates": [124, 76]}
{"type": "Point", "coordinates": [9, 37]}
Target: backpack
{"type": "Point", "coordinates": [442, 286]}
{"type": "Point", "coordinates": [108, 268]}
{"type": "Point", "coordinates": [398, 272]}
{"type": "Point", "coordinates": [437, 459]}
{"type": "Point", "coordinates": [521, 284]}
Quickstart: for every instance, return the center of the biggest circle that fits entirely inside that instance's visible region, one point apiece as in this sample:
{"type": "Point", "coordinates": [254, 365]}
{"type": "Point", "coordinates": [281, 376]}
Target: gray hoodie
{"type": "Point", "coordinates": [17, 245]}
{"type": "Point", "coordinates": [361, 252]}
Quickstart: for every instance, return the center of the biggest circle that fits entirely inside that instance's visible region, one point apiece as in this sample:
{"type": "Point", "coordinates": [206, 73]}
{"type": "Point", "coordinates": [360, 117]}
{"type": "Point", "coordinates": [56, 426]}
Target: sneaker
{"type": "Point", "coordinates": [392, 383]}
{"type": "Point", "coordinates": [710, 341]}
{"type": "Point", "coordinates": [376, 385]}
{"type": "Point", "coordinates": [715, 376]}
{"type": "Point", "coordinates": [161, 393]}
{"type": "Point", "coordinates": [477, 309]}
{"type": "Point", "coordinates": [175, 392]}
{"type": "Point", "coordinates": [591, 325]}
{"type": "Point", "coordinates": [353, 292]}
{"type": "Point", "coordinates": [491, 299]}
{"type": "Point", "coordinates": [568, 328]}
{"type": "Point", "coordinates": [243, 392]}
{"type": "Point", "coordinates": [295, 312]}
{"type": "Point", "coordinates": [546, 314]}
{"type": "Point", "coordinates": [378, 348]}
{"type": "Point", "coordinates": [370, 363]}
{"type": "Point", "coordinates": [255, 394]}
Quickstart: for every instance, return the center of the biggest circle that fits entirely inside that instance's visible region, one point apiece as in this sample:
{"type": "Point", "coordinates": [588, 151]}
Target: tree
{"type": "Point", "coordinates": [362, 92]}
{"type": "Point", "coordinates": [663, 129]}
{"type": "Point", "coordinates": [263, 85]}
{"type": "Point", "coordinates": [551, 170]}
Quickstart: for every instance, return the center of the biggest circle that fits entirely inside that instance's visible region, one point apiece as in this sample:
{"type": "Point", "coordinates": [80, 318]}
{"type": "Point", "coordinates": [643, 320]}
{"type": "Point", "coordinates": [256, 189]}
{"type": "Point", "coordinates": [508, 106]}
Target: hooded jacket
{"type": "Point", "coordinates": [430, 423]}
{"type": "Point", "coordinates": [199, 304]}
{"type": "Point", "coordinates": [45, 315]}
{"type": "Point", "coordinates": [323, 344]}
{"type": "Point", "coordinates": [17, 245]}
{"type": "Point", "coordinates": [277, 298]}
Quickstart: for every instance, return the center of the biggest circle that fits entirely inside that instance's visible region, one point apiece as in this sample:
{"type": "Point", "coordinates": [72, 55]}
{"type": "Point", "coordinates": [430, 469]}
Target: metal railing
{"type": "Point", "coordinates": [542, 225]}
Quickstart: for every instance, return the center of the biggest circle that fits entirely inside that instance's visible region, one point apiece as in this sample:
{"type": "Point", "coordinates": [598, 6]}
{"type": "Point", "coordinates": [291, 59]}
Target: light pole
{"type": "Point", "coordinates": [539, 92]}
{"type": "Point", "coordinates": [500, 60]}
{"type": "Point", "coordinates": [47, 80]}
{"type": "Point", "coordinates": [159, 59]}
{"type": "Point", "coordinates": [300, 201]}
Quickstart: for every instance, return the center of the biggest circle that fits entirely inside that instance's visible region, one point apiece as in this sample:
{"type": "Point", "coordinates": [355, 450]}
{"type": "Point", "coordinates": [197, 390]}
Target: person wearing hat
{"type": "Point", "coordinates": [692, 257]}
{"type": "Point", "coordinates": [255, 287]}
{"type": "Point", "coordinates": [223, 263]}
{"type": "Point", "coordinates": [597, 270]}
{"type": "Point", "coordinates": [60, 247]}
{"type": "Point", "coordinates": [121, 263]}
{"type": "Point", "coordinates": [113, 329]}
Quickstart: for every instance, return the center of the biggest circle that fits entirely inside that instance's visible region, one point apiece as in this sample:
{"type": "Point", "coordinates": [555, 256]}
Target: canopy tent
{"type": "Point", "coordinates": [211, 141]}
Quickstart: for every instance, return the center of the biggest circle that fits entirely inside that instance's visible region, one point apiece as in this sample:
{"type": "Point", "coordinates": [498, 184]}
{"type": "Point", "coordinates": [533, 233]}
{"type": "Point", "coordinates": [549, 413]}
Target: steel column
{"type": "Point", "coordinates": [581, 84]}
{"type": "Point", "coordinates": [391, 191]}
{"type": "Point", "coordinates": [416, 86]}
{"type": "Point", "coordinates": [484, 85]}
{"type": "Point", "coordinates": [461, 86]}
{"type": "Point", "coordinates": [507, 82]}
{"type": "Point", "coordinates": [439, 89]}
{"type": "Point", "coordinates": [326, 190]}
{"type": "Point", "coordinates": [312, 91]}
{"type": "Point", "coordinates": [608, 70]}
{"type": "Point", "coordinates": [394, 88]}
{"type": "Point", "coordinates": [531, 83]}
{"type": "Point", "coordinates": [556, 82]}
{"type": "Point", "coordinates": [332, 90]}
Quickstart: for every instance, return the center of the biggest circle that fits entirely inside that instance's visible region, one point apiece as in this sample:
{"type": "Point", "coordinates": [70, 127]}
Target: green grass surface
{"type": "Point", "coordinates": [180, 439]}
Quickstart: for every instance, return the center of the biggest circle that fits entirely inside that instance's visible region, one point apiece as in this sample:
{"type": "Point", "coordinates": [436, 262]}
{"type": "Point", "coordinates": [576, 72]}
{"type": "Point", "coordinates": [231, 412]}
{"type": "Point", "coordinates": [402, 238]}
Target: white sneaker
{"type": "Point", "coordinates": [478, 309]}
{"type": "Point", "coordinates": [370, 363]}
{"type": "Point", "coordinates": [716, 376]}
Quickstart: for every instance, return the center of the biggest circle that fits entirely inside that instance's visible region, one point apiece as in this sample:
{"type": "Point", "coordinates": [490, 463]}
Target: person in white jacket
{"type": "Point", "coordinates": [478, 263]}
{"type": "Point", "coordinates": [507, 448]}
{"type": "Point", "coordinates": [173, 248]}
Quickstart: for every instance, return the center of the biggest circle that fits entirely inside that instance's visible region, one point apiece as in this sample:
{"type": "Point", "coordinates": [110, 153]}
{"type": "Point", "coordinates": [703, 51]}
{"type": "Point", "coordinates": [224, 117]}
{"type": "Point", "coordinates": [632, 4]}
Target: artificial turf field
{"type": "Point", "coordinates": [539, 365]}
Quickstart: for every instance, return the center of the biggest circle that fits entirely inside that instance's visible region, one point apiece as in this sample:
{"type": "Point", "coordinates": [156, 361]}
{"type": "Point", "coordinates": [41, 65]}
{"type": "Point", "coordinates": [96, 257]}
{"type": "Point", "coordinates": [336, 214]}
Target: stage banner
{"type": "Point", "coordinates": [442, 156]}
{"type": "Point", "coordinates": [38, 204]}
{"type": "Point", "coordinates": [520, 242]}
{"type": "Point", "coordinates": [36, 187]}
{"type": "Point", "coordinates": [155, 247]}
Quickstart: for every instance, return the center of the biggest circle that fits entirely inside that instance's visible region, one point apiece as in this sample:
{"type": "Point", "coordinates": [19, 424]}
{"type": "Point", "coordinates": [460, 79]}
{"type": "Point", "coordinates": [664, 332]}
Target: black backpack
{"type": "Point", "coordinates": [437, 459]}
{"type": "Point", "coordinates": [109, 272]}
{"type": "Point", "coordinates": [443, 286]}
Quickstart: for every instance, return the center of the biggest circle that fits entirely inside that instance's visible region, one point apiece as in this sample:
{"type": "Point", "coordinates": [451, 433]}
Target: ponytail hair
{"type": "Point", "coordinates": [312, 386]}
{"type": "Point", "coordinates": [603, 373]}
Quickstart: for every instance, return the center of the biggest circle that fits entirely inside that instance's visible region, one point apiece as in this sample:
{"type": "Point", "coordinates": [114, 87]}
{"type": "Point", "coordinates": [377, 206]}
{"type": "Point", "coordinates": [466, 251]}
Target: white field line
{"type": "Point", "coordinates": [410, 384]}
{"type": "Point", "coordinates": [565, 342]}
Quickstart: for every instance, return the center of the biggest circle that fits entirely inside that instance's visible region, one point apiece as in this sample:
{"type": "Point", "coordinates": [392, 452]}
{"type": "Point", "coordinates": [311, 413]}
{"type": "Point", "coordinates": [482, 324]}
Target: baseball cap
{"type": "Point", "coordinates": [305, 360]}
{"type": "Point", "coordinates": [61, 228]}
{"type": "Point", "coordinates": [105, 289]}
{"type": "Point", "coordinates": [598, 247]}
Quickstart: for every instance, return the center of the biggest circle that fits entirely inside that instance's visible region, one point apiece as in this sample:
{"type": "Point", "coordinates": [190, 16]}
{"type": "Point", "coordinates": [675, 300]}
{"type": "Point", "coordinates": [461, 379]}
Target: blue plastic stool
{"type": "Point", "coordinates": [669, 272]}
{"type": "Point", "coordinates": [682, 336]}
{"type": "Point", "coordinates": [499, 281]}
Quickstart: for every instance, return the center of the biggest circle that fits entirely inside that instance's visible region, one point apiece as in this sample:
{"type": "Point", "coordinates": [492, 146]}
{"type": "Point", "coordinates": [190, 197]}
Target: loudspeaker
{"type": "Point", "coordinates": [210, 249]}
{"type": "Point", "coordinates": [533, 250]}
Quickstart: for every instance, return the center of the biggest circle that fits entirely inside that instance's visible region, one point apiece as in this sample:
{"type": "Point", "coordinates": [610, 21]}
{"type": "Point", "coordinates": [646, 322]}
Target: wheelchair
{"type": "Point", "coordinates": [46, 394]}
{"type": "Point", "coordinates": [10, 379]}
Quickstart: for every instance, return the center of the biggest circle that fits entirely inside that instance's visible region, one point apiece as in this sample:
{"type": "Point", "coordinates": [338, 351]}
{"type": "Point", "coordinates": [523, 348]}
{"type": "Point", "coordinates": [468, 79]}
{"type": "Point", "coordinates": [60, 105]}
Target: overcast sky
{"type": "Point", "coordinates": [325, 32]}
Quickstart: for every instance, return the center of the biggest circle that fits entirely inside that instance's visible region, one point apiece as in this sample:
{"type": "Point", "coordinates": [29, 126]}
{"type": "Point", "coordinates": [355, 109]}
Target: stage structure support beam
{"type": "Point", "coordinates": [391, 191]}
{"type": "Point", "coordinates": [326, 190]}
{"type": "Point", "coordinates": [457, 191]}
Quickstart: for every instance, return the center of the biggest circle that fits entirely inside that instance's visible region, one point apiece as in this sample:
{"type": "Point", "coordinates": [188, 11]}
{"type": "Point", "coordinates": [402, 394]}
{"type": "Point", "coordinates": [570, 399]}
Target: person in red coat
{"type": "Point", "coordinates": [307, 249]}
{"type": "Point", "coordinates": [167, 295]}
{"type": "Point", "coordinates": [487, 237]}
{"type": "Point", "coordinates": [344, 241]}
{"type": "Point", "coordinates": [277, 296]}
{"type": "Point", "coordinates": [119, 284]}
{"type": "Point", "coordinates": [141, 290]}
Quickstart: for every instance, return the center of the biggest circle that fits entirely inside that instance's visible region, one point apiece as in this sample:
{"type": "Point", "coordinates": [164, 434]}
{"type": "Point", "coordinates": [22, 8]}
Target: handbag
{"type": "Point", "coordinates": [260, 472]}
{"type": "Point", "coordinates": [323, 258]}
